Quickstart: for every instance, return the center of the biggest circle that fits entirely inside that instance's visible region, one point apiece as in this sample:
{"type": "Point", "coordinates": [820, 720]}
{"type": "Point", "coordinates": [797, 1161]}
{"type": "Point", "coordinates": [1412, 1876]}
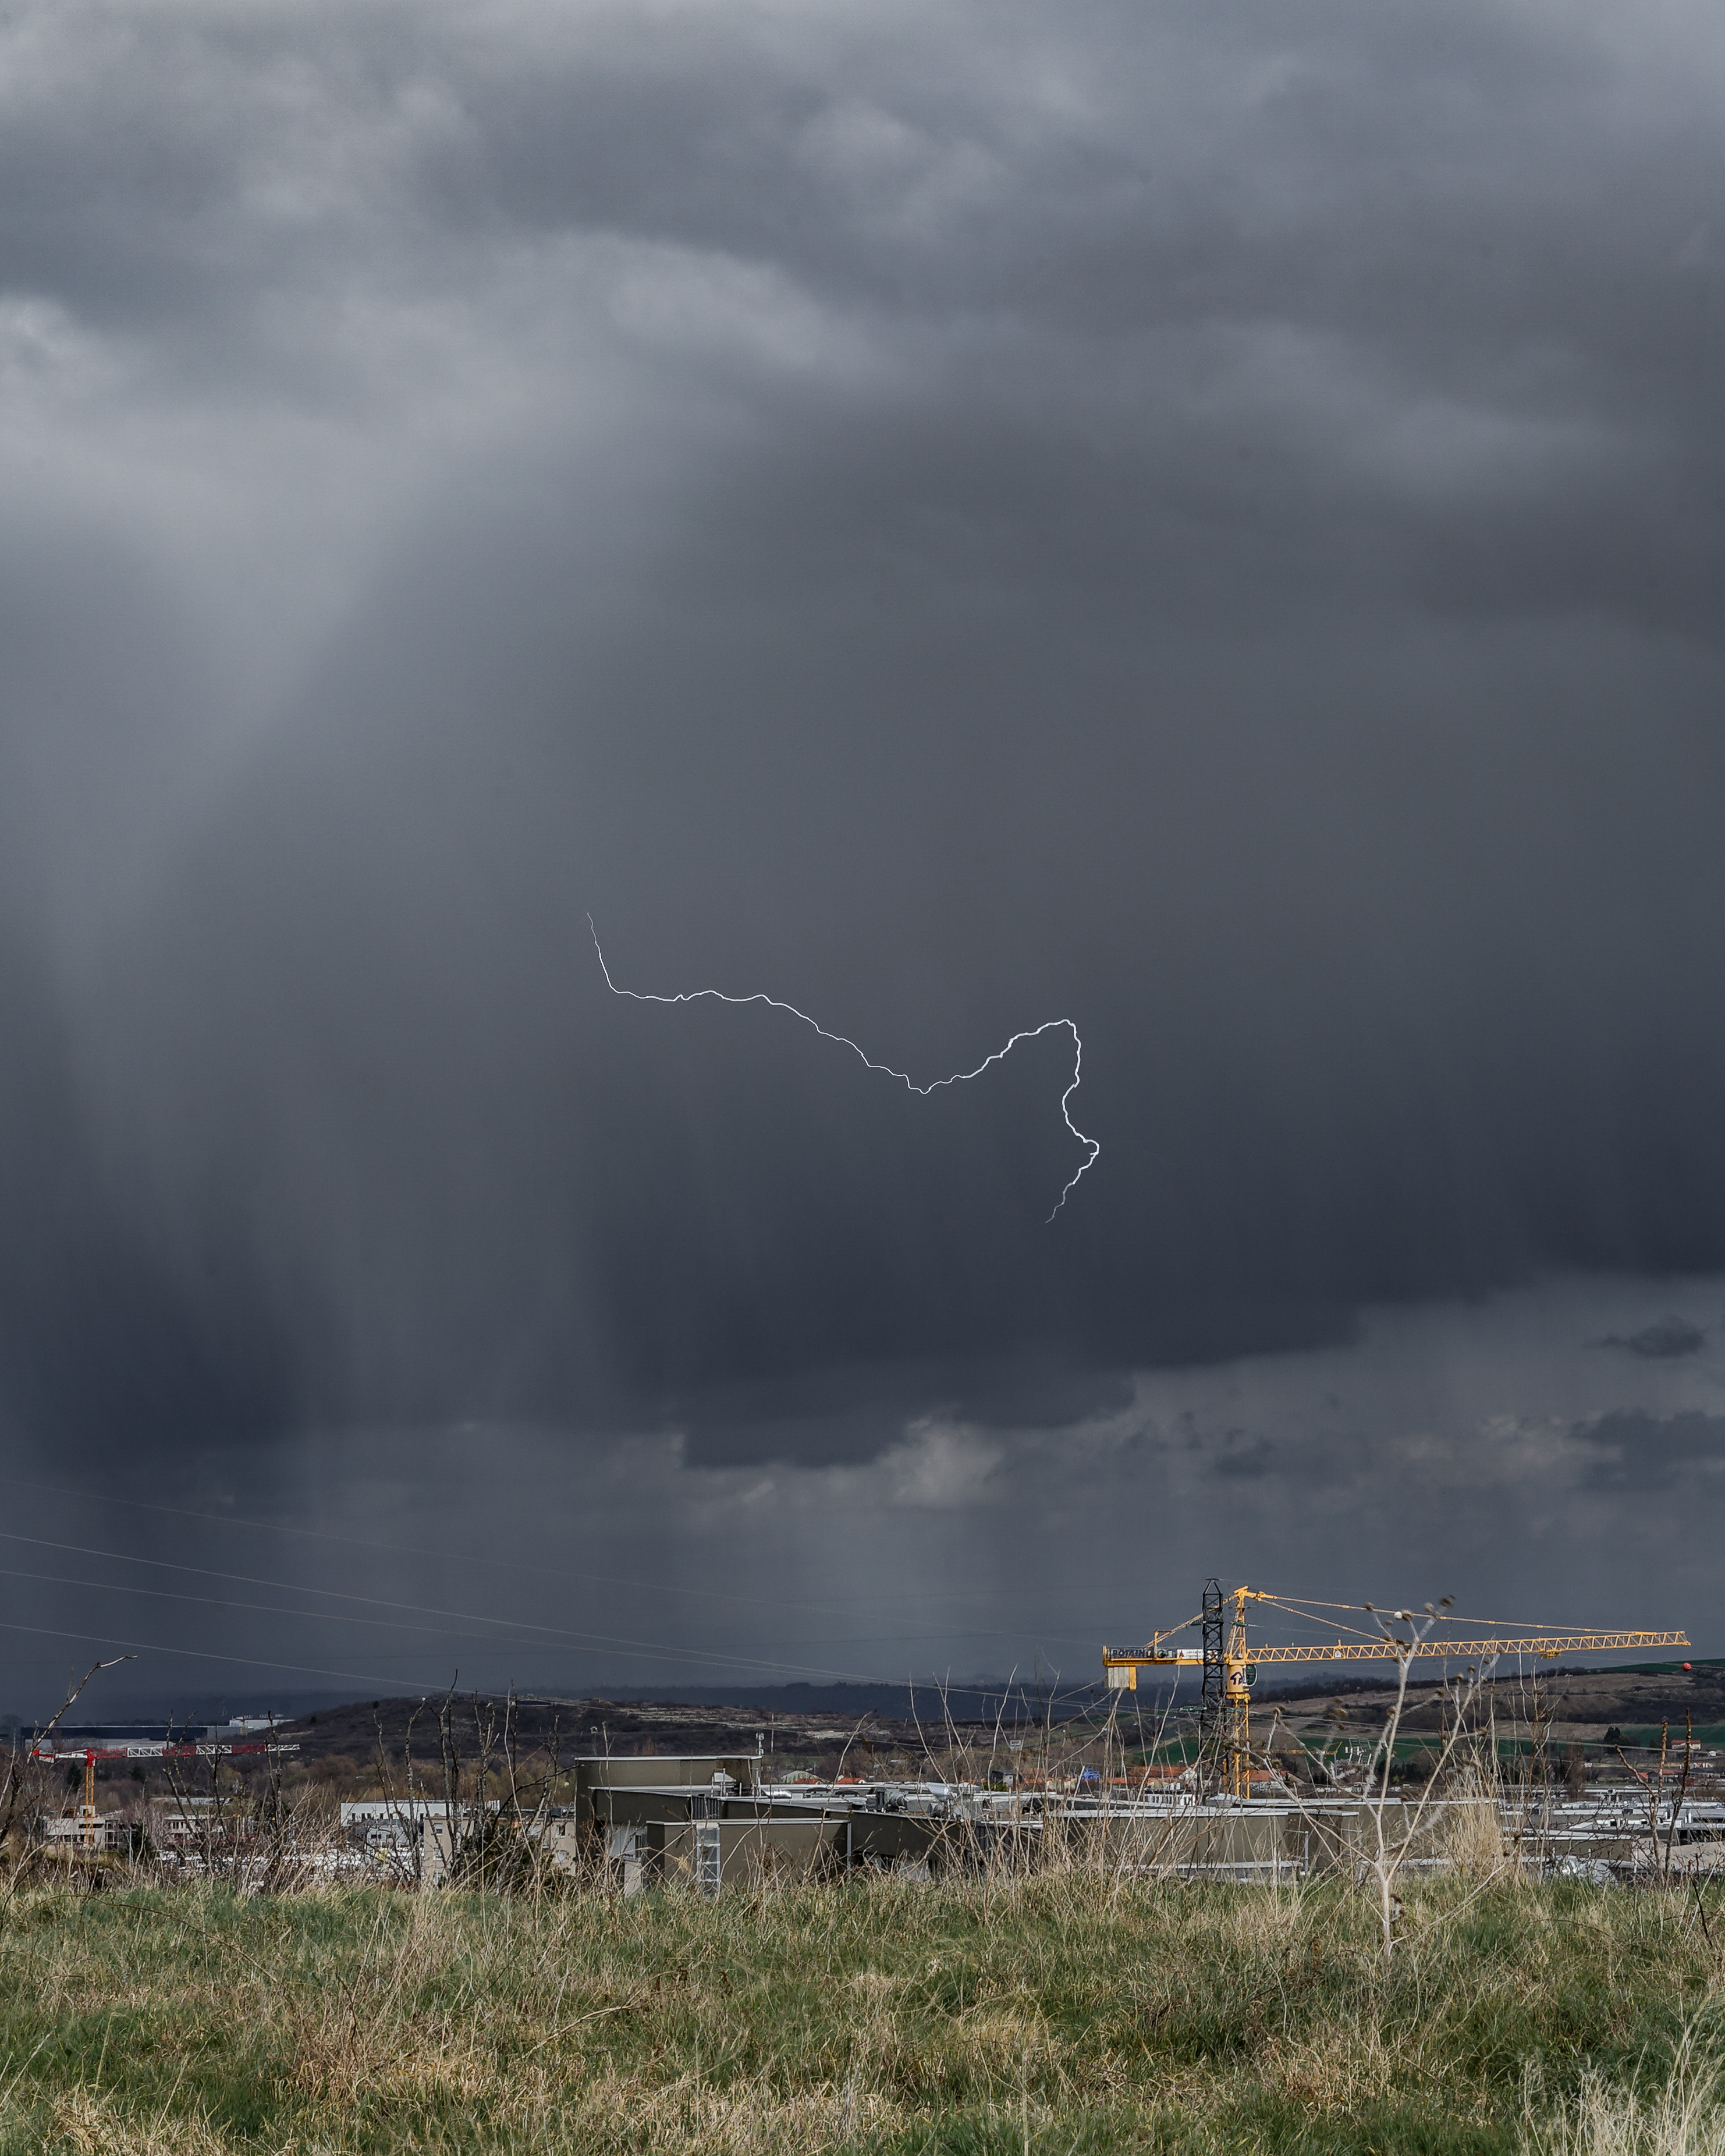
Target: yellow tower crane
{"type": "Point", "coordinates": [1229, 1666]}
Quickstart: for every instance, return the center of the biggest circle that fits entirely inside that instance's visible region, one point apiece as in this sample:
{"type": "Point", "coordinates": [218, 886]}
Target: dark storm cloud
{"type": "Point", "coordinates": [954, 518]}
{"type": "Point", "coordinates": [830, 1414]}
{"type": "Point", "coordinates": [1665, 1336]}
{"type": "Point", "coordinates": [1644, 1452]}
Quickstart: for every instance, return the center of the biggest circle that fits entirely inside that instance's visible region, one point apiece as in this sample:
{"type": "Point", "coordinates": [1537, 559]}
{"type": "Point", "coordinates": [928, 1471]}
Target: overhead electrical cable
{"type": "Point", "coordinates": [382, 1684]}
{"type": "Point", "coordinates": [513, 1564]}
{"type": "Point", "coordinates": [192, 1654]}
{"type": "Point", "coordinates": [547, 1634]}
{"type": "Point", "coordinates": [1299, 1605]}
{"type": "Point", "coordinates": [660, 1651]}
{"type": "Point", "coordinates": [258, 1609]}
{"type": "Point", "coordinates": [397, 1624]}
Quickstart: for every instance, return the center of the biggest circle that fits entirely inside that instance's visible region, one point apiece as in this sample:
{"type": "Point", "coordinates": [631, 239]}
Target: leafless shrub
{"type": "Point", "coordinates": [495, 1805]}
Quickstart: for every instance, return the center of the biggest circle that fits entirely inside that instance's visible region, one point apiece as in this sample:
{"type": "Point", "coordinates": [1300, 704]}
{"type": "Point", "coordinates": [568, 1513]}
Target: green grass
{"type": "Point", "coordinates": [1059, 2015]}
{"type": "Point", "coordinates": [1646, 1736]}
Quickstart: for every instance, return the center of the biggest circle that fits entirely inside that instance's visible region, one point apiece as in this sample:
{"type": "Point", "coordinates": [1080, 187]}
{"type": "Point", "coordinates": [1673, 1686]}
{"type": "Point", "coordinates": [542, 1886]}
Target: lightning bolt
{"type": "Point", "coordinates": [843, 1041]}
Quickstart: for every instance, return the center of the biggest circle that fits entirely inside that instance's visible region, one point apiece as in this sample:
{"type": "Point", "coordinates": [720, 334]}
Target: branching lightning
{"type": "Point", "coordinates": [957, 1078]}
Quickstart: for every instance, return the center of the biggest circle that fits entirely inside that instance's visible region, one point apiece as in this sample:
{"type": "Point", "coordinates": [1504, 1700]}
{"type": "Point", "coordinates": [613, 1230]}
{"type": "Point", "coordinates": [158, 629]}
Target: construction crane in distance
{"type": "Point", "coordinates": [89, 1825]}
{"type": "Point", "coordinates": [1229, 1666]}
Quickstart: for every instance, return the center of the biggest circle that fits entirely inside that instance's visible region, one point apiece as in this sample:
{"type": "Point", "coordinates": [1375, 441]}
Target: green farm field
{"type": "Point", "coordinates": [1062, 2014]}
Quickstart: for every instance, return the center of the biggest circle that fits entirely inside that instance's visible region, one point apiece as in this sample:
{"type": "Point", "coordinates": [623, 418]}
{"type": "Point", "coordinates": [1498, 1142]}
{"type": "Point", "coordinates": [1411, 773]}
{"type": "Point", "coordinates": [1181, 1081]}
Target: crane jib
{"type": "Point", "coordinates": [1391, 1650]}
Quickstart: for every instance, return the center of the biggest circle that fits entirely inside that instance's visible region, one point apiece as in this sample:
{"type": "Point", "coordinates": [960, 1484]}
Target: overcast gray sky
{"type": "Point", "coordinates": [1202, 523]}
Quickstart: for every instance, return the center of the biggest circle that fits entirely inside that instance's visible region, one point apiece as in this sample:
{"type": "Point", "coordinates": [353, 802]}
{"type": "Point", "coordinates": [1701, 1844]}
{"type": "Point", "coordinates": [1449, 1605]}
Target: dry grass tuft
{"type": "Point", "coordinates": [1470, 1833]}
{"type": "Point", "coordinates": [749, 2118]}
{"type": "Point", "coordinates": [1330, 2068]}
{"type": "Point", "coordinates": [1686, 2118]}
{"type": "Point", "coordinates": [83, 2123]}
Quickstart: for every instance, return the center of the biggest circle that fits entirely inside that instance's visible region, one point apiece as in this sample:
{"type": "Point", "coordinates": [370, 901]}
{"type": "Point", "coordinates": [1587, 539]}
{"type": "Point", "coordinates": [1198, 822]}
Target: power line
{"type": "Point", "coordinates": [395, 1624]}
{"type": "Point", "coordinates": [510, 1564]}
{"type": "Point", "coordinates": [387, 1602]}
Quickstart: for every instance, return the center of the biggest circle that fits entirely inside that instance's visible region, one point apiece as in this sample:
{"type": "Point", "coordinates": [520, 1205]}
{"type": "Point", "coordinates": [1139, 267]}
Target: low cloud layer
{"type": "Point", "coordinates": [1664, 1337]}
{"type": "Point", "coordinates": [1486, 1451]}
{"type": "Point", "coordinates": [1207, 527]}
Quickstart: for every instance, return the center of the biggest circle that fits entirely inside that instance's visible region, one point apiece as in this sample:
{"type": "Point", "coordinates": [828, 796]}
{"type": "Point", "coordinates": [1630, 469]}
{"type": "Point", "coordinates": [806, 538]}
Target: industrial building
{"type": "Point", "coordinates": [712, 1823]}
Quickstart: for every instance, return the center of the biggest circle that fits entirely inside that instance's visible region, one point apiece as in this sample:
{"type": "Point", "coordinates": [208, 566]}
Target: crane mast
{"type": "Point", "coordinates": [1229, 1664]}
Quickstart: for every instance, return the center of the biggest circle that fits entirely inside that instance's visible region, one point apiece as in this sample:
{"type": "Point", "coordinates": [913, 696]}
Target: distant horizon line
{"type": "Point", "coordinates": [204, 1707]}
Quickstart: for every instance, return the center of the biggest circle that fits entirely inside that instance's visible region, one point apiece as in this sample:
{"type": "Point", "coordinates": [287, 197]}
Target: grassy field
{"type": "Point", "coordinates": [1062, 2015]}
